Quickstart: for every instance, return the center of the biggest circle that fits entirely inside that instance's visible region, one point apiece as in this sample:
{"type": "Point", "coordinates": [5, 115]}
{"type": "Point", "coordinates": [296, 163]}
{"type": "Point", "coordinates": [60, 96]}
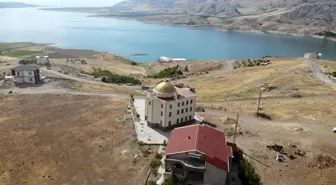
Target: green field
{"type": "Point", "coordinates": [19, 53]}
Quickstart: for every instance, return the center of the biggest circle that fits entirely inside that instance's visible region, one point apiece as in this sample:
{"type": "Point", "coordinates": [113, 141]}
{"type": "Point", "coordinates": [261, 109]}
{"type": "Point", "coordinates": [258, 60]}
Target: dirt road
{"type": "Point", "coordinates": [263, 99]}
{"type": "Point", "coordinates": [136, 88]}
{"type": "Point", "coordinates": [255, 134]}
{"type": "Point", "coordinates": [319, 75]}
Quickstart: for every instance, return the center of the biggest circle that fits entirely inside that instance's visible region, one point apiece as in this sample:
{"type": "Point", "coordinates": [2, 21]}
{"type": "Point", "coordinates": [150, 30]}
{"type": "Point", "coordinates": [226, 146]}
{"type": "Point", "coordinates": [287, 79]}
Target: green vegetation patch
{"type": "Point", "coordinates": [327, 34]}
{"type": "Point", "coordinates": [169, 72]}
{"type": "Point", "coordinates": [109, 77]}
{"type": "Point", "coordinates": [155, 163]}
{"type": "Point", "coordinates": [247, 173]}
{"type": "Point", "coordinates": [249, 93]}
{"type": "Point", "coordinates": [19, 53]}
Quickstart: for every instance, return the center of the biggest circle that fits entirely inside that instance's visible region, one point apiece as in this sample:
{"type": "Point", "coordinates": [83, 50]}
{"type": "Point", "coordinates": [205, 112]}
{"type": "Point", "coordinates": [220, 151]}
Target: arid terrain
{"type": "Point", "coordinates": [76, 130]}
{"type": "Point", "coordinates": [66, 139]}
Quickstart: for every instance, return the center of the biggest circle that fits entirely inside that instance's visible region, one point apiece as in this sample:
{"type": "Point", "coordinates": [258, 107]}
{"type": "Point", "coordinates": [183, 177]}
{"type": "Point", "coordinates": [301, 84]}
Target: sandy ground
{"type": "Point", "coordinates": [310, 137]}
{"type": "Point", "coordinates": [65, 139]}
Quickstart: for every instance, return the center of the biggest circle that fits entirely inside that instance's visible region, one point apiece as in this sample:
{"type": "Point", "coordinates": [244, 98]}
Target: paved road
{"type": "Point", "coordinates": [251, 100]}
{"type": "Point", "coordinates": [319, 75]}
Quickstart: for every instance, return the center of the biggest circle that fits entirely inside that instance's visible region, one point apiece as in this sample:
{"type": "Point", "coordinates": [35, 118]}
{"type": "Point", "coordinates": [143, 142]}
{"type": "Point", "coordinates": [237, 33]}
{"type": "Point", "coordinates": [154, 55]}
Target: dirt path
{"type": "Point", "coordinates": [319, 75]}
{"type": "Point", "coordinates": [87, 80]}
{"type": "Point", "coordinates": [317, 97]}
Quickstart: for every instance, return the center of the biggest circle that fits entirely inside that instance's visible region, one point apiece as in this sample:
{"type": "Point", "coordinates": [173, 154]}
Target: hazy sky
{"type": "Point", "coordinates": [68, 2]}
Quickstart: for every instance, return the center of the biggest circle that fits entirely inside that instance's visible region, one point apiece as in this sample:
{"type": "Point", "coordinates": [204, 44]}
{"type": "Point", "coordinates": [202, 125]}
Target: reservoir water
{"type": "Point", "coordinates": [126, 37]}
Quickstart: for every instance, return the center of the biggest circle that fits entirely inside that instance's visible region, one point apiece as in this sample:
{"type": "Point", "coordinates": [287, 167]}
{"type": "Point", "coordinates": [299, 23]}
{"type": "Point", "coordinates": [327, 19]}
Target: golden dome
{"type": "Point", "coordinates": [164, 87]}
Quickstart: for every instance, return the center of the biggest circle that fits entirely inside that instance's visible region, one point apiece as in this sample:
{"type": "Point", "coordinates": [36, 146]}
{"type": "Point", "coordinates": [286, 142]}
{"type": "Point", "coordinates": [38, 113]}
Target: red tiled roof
{"type": "Point", "coordinates": [204, 139]}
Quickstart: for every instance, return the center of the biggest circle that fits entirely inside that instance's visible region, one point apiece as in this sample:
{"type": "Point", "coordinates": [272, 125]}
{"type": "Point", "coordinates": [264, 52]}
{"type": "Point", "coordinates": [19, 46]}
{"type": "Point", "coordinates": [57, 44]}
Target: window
{"type": "Point", "coordinates": [31, 79]}
{"type": "Point", "coordinates": [169, 123]}
{"type": "Point", "coordinates": [177, 121]}
{"type": "Point", "coordinates": [178, 104]}
{"type": "Point", "coordinates": [178, 112]}
{"type": "Point", "coordinates": [183, 103]}
{"type": "Point", "coordinates": [169, 114]}
{"type": "Point", "coordinates": [150, 103]}
{"type": "Point", "coordinates": [186, 118]}
{"type": "Point", "coordinates": [187, 102]}
{"type": "Point", "coordinates": [161, 122]}
{"type": "Point", "coordinates": [161, 113]}
{"type": "Point", "coordinates": [161, 106]}
{"type": "Point", "coordinates": [190, 109]}
{"type": "Point", "coordinates": [181, 120]}
{"type": "Point", "coordinates": [191, 101]}
{"type": "Point", "coordinates": [146, 117]}
{"type": "Point", "coordinates": [170, 106]}
{"type": "Point", "coordinates": [29, 73]}
{"type": "Point", "coordinates": [182, 111]}
{"type": "Point", "coordinates": [186, 109]}
{"type": "Point", "coordinates": [189, 117]}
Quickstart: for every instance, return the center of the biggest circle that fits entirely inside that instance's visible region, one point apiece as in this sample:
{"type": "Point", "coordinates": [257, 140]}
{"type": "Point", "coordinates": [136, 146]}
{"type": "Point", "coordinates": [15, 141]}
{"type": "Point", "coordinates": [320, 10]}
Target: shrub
{"type": "Point", "coordinates": [186, 69]}
{"type": "Point", "coordinates": [158, 156]}
{"type": "Point", "coordinates": [24, 62]}
{"type": "Point", "coordinates": [151, 182]}
{"type": "Point", "coordinates": [132, 98]}
{"type": "Point", "coordinates": [333, 74]}
{"type": "Point", "coordinates": [138, 115]}
{"type": "Point", "coordinates": [109, 77]}
{"type": "Point", "coordinates": [168, 72]}
{"type": "Point", "coordinates": [165, 143]}
{"type": "Point", "coordinates": [247, 173]}
{"type": "Point", "coordinates": [155, 163]}
{"type": "Point", "coordinates": [264, 115]}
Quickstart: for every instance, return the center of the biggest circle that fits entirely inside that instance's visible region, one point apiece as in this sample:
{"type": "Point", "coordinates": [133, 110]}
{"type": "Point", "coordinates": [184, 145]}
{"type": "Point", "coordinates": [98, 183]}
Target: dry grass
{"type": "Point", "coordinates": [326, 66]}
{"type": "Point", "coordinates": [193, 66]}
{"type": "Point", "coordinates": [321, 110]}
{"type": "Point", "coordinates": [85, 87]}
{"type": "Point", "coordinates": [114, 66]}
{"type": "Point", "coordinates": [287, 75]}
{"type": "Point", "coordinates": [63, 139]}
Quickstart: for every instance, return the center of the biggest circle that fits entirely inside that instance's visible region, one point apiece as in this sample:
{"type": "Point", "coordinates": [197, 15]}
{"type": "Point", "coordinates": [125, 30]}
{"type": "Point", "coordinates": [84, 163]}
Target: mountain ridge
{"type": "Point", "coordinates": [16, 5]}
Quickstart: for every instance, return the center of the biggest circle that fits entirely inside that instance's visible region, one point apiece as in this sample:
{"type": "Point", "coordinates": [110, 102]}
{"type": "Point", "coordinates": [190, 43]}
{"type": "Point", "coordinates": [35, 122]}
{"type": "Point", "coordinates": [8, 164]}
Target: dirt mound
{"type": "Point", "coordinates": [323, 161]}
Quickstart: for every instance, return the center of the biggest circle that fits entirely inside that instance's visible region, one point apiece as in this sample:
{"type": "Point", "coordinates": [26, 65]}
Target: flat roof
{"type": "Point", "coordinates": [28, 67]}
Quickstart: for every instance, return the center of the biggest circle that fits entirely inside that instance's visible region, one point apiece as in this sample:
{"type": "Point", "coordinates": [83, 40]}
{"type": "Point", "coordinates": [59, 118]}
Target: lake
{"type": "Point", "coordinates": [127, 37]}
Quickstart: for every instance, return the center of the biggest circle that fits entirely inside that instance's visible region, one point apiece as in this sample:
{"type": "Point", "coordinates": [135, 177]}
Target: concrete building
{"type": "Point", "coordinates": [168, 106]}
{"type": "Point", "coordinates": [164, 59]}
{"type": "Point", "coordinates": [198, 154]}
{"type": "Point", "coordinates": [42, 60]}
{"type": "Point", "coordinates": [26, 74]}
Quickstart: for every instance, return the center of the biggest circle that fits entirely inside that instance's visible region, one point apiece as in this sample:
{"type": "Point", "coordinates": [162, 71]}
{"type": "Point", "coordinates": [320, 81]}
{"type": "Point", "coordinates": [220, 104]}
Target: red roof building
{"type": "Point", "coordinates": [193, 149]}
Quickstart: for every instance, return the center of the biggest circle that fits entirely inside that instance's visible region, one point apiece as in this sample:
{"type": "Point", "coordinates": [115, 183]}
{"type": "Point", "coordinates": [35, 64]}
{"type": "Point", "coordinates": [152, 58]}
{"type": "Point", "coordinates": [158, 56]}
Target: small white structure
{"type": "Point", "coordinates": [42, 59]}
{"type": "Point", "coordinates": [313, 55]}
{"type": "Point", "coordinates": [26, 74]}
{"type": "Point", "coordinates": [168, 106]}
{"type": "Point", "coordinates": [164, 59]}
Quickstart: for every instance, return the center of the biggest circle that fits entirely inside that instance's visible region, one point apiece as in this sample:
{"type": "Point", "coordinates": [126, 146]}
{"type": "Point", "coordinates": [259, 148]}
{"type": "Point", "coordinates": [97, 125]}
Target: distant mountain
{"type": "Point", "coordinates": [16, 5]}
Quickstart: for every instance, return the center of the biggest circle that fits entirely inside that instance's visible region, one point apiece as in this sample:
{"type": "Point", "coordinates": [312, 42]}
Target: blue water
{"type": "Point", "coordinates": [126, 37]}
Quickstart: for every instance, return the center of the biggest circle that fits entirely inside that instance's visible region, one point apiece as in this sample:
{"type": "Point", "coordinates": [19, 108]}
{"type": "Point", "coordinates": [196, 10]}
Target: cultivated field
{"type": "Point", "coordinates": [64, 139]}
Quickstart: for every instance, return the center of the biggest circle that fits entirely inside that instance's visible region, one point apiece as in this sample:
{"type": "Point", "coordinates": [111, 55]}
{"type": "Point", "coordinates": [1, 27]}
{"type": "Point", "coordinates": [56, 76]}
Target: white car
{"type": "Point", "coordinates": [334, 130]}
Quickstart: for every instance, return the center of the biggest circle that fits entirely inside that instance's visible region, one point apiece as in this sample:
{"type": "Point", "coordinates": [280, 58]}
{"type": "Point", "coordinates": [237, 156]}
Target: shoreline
{"type": "Point", "coordinates": [214, 27]}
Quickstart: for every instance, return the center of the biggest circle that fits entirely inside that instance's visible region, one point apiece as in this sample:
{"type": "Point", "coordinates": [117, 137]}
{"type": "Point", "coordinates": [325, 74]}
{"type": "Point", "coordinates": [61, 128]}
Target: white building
{"type": "Point", "coordinates": [42, 59]}
{"type": "Point", "coordinates": [26, 74]}
{"type": "Point", "coordinates": [168, 106]}
{"type": "Point", "coordinates": [167, 59]}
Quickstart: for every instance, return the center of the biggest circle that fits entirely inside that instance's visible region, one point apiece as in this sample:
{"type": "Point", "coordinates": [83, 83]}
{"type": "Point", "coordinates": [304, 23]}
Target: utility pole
{"type": "Point", "coordinates": [235, 132]}
{"type": "Point", "coordinates": [259, 104]}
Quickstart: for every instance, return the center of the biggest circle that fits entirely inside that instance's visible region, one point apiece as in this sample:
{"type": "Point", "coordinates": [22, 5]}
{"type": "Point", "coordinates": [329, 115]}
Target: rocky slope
{"type": "Point", "coordinates": [285, 16]}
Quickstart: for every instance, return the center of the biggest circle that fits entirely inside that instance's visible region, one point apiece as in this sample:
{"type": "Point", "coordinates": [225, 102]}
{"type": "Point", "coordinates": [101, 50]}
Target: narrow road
{"type": "Point", "coordinates": [319, 75]}
{"type": "Point", "coordinates": [251, 100]}
{"type": "Point", "coordinates": [136, 88]}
